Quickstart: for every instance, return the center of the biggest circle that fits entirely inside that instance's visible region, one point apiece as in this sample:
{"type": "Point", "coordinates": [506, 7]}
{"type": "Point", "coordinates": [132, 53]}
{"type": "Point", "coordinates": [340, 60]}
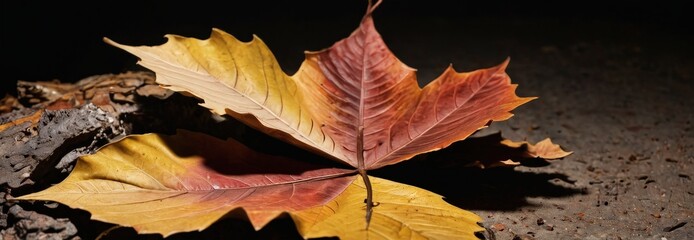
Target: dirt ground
{"type": "Point", "coordinates": [616, 90]}
{"type": "Point", "coordinates": [625, 108]}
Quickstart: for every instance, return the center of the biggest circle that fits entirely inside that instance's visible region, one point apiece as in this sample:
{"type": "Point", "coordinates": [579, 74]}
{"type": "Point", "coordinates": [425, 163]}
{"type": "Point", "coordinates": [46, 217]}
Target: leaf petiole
{"type": "Point", "coordinates": [362, 171]}
{"type": "Point", "coordinates": [369, 196]}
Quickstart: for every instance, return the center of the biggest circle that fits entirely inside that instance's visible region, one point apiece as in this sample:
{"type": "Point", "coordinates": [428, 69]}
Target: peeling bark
{"type": "Point", "coordinates": [33, 151]}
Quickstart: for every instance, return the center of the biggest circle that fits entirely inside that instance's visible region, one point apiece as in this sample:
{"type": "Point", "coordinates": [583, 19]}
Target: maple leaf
{"type": "Point", "coordinates": [354, 103]}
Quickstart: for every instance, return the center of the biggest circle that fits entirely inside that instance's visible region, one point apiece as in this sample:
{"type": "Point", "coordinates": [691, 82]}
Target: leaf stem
{"type": "Point", "coordinates": [369, 196]}
{"type": "Point", "coordinates": [362, 171]}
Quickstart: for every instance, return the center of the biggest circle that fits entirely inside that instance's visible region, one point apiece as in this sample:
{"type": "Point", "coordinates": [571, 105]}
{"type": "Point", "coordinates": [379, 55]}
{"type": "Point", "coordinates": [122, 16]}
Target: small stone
{"type": "Point", "coordinates": [499, 227]}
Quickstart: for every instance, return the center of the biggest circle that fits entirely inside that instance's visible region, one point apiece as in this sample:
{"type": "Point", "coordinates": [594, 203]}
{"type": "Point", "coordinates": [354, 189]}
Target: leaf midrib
{"type": "Point", "coordinates": [311, 179]}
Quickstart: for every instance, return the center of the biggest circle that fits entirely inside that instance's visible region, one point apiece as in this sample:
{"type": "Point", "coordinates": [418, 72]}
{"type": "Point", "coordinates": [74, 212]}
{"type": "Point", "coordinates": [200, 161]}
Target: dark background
{"type": "Point", "coordinates": [59, 40]}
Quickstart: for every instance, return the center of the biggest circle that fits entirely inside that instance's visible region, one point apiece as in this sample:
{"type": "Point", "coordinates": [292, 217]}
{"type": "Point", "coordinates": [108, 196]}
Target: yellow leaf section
{"type": "Point", "coordinates": [403, 212]}
{"type": "Point", "coordinates": [165, 184]}
{"type": "Point", "coordinates": [542, 149]}
{"type": "Point", "coordinates": [114, 191]}
{"type": "Point", "coordinates": [242, 79]}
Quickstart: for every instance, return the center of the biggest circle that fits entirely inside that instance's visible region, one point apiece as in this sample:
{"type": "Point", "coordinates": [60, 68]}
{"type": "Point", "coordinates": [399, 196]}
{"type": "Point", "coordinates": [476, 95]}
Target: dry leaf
{"type": "Point", "coordinates": [542, 149]}
{"type": "Point", "coordinates": [354, 102]}
{"type": "Point", "coordinates": [169, 184]}
{"type": "Point", "coordinates": [495, 151]}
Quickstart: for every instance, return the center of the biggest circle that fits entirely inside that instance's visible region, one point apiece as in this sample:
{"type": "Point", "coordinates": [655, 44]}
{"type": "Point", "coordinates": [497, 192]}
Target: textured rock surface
{"type": "Point", "coordinates": [33, 225]}
{"type": "Point", "coordinates": [33, 152]}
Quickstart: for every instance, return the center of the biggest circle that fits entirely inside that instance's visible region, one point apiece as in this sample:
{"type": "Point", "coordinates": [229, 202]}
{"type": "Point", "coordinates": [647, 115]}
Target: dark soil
{"type": "Point", "coordinates": [615, 84]}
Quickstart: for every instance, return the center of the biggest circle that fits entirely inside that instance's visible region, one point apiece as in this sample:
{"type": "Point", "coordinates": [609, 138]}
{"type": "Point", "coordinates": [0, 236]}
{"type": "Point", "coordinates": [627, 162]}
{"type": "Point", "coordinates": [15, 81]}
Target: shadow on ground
{"type": "Point", "coordinates": [471, 188]}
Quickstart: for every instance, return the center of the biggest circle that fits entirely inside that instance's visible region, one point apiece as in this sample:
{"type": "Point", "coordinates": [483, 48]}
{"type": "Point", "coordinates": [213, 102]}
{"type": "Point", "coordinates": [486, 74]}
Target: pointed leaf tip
{"type": "Point", "coordinates": [502, 67]}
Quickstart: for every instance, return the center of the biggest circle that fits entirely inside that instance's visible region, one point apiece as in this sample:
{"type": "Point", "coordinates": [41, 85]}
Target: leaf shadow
{"type": "Point", "coordinates": [233, 158]}
{"type": "Point", "coordinates": [235, 225]}
{"type": "Point", "coordinates": [448, 172]}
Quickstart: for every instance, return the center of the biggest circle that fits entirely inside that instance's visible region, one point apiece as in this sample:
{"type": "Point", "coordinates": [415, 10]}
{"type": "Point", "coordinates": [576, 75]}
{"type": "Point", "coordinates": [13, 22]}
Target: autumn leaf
{"type": "Point", "coordinates": [493, 151]}
{"type": "Point", "coordinates": [354, 103]}
{"type": "Point", "coordinates": [545, 149]}
{"type": "Point", "coordinates": [168, 184]}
